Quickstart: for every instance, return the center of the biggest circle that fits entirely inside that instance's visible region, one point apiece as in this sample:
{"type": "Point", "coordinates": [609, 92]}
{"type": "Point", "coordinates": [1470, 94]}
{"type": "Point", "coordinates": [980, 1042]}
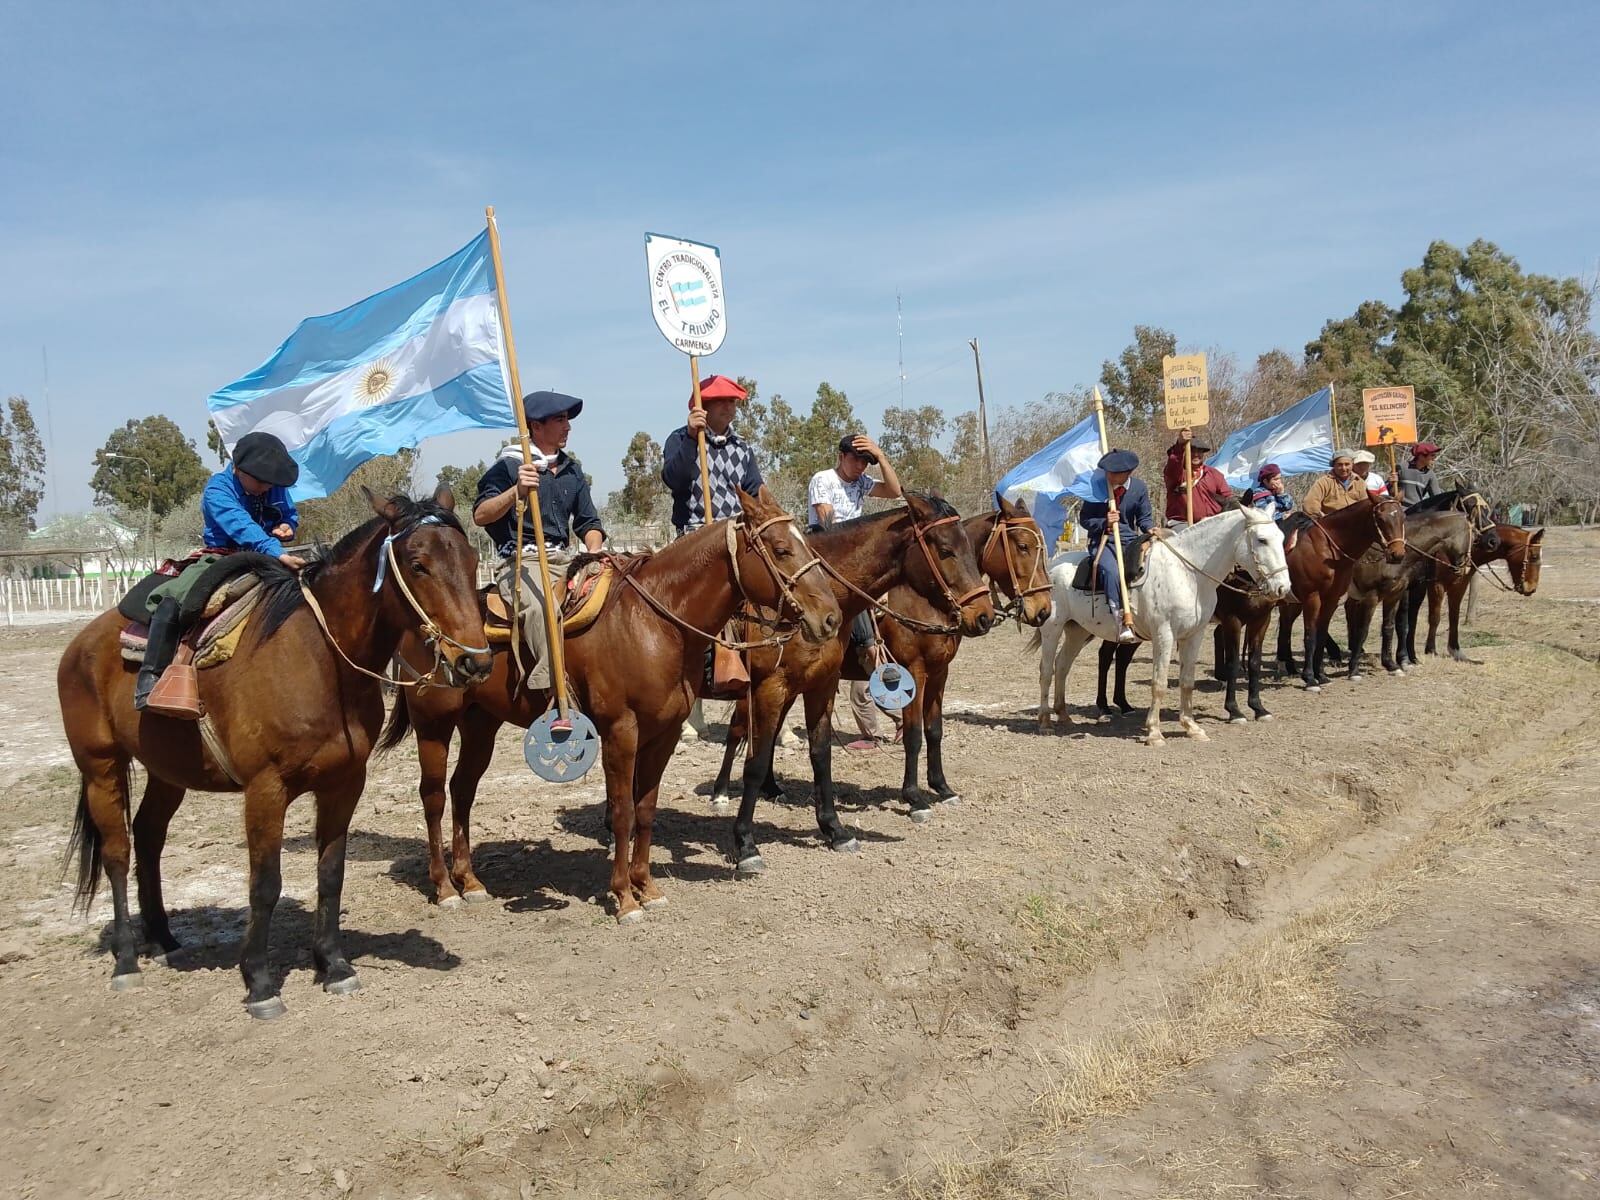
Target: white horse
{"type": "Point", "coordinates": [1173, 602]}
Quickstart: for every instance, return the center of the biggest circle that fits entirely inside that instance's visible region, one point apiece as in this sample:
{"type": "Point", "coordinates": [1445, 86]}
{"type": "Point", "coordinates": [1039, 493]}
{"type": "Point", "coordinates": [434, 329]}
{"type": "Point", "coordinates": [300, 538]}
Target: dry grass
{"type": "Point", "coordinates": [1080, 935]}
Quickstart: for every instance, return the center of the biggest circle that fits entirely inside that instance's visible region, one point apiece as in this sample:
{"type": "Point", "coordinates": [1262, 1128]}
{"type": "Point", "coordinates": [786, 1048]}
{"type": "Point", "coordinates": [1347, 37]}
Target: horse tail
{"type": "Point", "coordinates": [87, 843]}
{"type": "Point", "coordinates": [397, 726]}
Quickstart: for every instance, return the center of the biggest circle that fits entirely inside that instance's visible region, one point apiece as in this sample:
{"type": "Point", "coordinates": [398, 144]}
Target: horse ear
{"type": "Point", "coordinates": [752, 504]}
{"type": "Point", "coordinates": [1536, 537]}
{"type": "Point", "coordinates": [445, 497]}
{"type": "Point", "coordinates": [919, 506]}
{"type": "Point", "coordinates": [387, 509]}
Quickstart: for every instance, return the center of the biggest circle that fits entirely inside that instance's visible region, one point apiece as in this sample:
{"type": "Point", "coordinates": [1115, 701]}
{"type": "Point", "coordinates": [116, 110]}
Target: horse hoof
{"type": "Point", "coordinates": [450, 903]}
{"type": "Point", "coordinates": [343, 987]}
{"type": "Point", "coordinates": [127, 982]}
{"type": "Point", "coordinates": [654, 903]}
{"type": "Point", "coordinates": [269, 1009]}
{"type": "Point", "coordinates": [921, 815]}
{"type": "Point", "coordinates": [1355, 678]}
{"type": "Point", "coordinates": [747, 867]}
{"type": "Point", "coordinates": [720, 800]}
{"type": "Point", "coordinates": [948, 801]}
{"type": "Point", "coordinates": [632, 917]}
{"type": "Point", "coordinates": [1265, 716]}
{"type": "Point", "coordinates": [165, 958]}
{"type": "Point", "coordinates": [1237, 721]}
{"type": "Point", "coordinates": [476, 896]}
{"type": "Point", "coordinates": [848, 846]}
{"type": "Point", "coordinates": [1312, 687]}
{"type": "Point", "coordinates": [1157, 740]}
{"type": "Point", "coordinates": [1197, 735]}
{"type": "Point", "coordinates": [1398, 672]}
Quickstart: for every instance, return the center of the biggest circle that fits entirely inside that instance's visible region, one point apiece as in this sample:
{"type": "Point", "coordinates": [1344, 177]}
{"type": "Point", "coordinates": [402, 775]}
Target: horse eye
{"type": "Point", "coordinates": [783, 550]}
{"type": "Point", "coordinates": [417, 568]}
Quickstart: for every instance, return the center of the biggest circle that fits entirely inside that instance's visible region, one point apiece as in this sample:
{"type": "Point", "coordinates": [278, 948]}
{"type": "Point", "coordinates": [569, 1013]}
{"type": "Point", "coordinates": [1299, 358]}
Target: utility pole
{"type": "Point", "coordinates": [900, 332]}
{"type": "Point", "coordinates": [983, 416]}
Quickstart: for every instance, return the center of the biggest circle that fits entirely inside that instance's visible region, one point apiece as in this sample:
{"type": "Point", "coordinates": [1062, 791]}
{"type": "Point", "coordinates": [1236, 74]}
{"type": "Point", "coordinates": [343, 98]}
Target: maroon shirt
{"type": "Point", "coordinates": [1211, 490]}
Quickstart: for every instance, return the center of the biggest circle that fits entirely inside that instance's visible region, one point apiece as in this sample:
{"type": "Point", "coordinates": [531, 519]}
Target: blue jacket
{"type": "Point", "coordinates": [1279, 504]}
{"type": "Point", "coordinates": [1135, 514]}
{"type": "Point", "coordinates": [236, 520]}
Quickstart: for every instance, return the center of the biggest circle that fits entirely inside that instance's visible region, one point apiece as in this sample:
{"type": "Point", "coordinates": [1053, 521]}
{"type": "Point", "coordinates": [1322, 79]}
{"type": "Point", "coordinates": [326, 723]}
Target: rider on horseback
{"type": "Point", "coordinates": [1127, 513]}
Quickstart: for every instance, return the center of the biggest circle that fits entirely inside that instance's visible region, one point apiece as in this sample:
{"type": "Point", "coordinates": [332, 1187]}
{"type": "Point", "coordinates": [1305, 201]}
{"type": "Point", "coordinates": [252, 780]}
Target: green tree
{"type": "Point", "coordinates": [462, 482]}
{"type": "Point", "coordinates": [21, 466]}
{"type": "Point", "coordinates": [331, 517]}
{"type": "Point", "coordinates": [909, 437]}
{"type": "Point", "coordinates": [1133, 381]}
{"type": "Point", "coordinates": [174, 467]}
{"type": "Point", "coordinates": [641, 493]}
{"type": "Point", "coordinates": [214, 441]}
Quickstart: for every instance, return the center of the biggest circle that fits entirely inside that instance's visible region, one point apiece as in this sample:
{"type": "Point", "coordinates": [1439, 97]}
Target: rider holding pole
{"type": "Point", "coordinates": [730, 460]}
{"type": "Point", "coordinates": [1124, 515]}
{"type": "Point", "coordinates": [565, 506]}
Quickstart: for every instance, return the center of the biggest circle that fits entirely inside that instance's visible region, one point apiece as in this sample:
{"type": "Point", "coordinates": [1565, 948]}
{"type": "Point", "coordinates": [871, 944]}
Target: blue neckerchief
{"type": "Point", "coordinates": [383, 550]}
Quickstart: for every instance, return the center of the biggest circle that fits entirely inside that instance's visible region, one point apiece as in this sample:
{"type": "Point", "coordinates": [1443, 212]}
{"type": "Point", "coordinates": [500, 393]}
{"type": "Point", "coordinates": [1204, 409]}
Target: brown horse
{"type": "Point", "coordinates": [1520, 549]}
{"type": "Point", "coordinates": [297, 709]}
{"type": "Point", "coordinates": [1012, 555]}
{"type": "Point", "coordinates": [634, 672]}
{"type": "Point", "coordinates": [1321, 563]}
{"type": "Point", "coordinates": [923, 544]}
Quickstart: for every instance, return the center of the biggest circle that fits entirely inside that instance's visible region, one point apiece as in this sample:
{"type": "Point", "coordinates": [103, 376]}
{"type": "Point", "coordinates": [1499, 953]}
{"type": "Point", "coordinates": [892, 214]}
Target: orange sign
{"type": "Point", "coordinates": [1391, 414]}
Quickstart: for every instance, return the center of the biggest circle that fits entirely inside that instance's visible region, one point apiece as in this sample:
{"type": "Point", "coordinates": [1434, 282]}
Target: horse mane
{"type": "Point", "coordinates": [1438, 503]}
{"type": "Point", "coordinates": [284, 593]}
{"type": "Point", "coordinates": [941, 508]}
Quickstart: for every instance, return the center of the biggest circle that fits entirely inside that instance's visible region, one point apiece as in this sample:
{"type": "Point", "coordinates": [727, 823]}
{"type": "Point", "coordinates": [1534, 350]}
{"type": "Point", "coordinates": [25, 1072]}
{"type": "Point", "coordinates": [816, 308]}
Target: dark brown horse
{"type": "Point", "coordinates": [634, 672]}
{"type": "Point", "coordinates": [1437, 542]}
{"type": "Point", "coordinates": [1011, 552]}
{"type": "Point", "coordinates": [1520, 549]}
{"type": "Point", "coordinates": [1321, 563]}
{"type": "Point", "coordinates": [297, 709]}
{"type": "Point", "coordinates": [923, 544]}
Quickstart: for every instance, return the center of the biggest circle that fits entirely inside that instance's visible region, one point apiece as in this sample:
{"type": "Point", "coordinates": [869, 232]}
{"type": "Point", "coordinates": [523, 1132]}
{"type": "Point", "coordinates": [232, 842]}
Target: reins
{"type": "Point", "coordinates": [1316, 523]}
{"type": "Point", "coordinates": [956, 603]}
{"type": "Point", "coordinates": [1021, 525]}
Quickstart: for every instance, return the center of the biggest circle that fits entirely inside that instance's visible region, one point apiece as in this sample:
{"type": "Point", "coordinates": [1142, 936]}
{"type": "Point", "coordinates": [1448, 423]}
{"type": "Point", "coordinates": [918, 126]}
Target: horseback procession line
{"type": "Point", "coordinates": [601, 656]}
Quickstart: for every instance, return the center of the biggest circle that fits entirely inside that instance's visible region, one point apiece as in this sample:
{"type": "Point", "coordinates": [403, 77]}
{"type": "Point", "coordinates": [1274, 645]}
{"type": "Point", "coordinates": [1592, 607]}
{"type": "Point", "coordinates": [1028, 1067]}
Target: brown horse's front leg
{"type": "Point", "coordinates": [161, 801]}
{"type": "Point", "coordinates": [933, 726]}
{"type": "Point", "coordinates": [478, 729]}
{"type": "Point", "coordinates": [618, 755]}
{"type": "Point", "coordinates": [335, 807]}
{"type": "Point", "coordinates": [652, 761]}
{"type": "Point", "coordinates": [433, 756]}
{"type": "Point", "coordinates": [265, 801]}
{"type": "Point", "coordinates": [738, 725]}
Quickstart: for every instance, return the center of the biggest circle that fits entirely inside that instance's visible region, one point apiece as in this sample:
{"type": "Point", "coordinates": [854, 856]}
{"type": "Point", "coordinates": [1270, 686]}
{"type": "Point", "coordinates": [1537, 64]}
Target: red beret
{"type": "Point", "coordinates": [718, 387]}
{"type": "Point", "coordinates": [1424, 448]}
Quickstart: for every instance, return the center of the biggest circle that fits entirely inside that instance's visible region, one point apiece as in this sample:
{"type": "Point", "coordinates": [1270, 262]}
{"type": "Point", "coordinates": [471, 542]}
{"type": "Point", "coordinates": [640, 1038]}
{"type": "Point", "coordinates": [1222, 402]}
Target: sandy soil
{"type": "Point", "coordinates": [840, 1026]}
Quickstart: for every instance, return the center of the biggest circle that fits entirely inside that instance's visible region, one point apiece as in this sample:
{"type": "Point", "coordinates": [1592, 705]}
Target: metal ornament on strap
{"type": "Point", "coordinates": [892, 687]}
{"type": "Point", "coordinates": [562, 744]}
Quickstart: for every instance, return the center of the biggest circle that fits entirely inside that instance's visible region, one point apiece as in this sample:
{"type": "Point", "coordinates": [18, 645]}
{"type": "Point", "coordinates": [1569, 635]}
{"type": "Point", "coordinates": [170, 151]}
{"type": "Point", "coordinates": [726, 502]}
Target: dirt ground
{"type": "Point", "coordinates": [1347, 952]}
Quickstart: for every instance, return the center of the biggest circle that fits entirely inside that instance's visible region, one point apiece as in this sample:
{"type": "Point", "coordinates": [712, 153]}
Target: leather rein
{"type": "Point", "coordinates": [1316, 523]}
{"type": "Point", "coordinates": [955, 602]}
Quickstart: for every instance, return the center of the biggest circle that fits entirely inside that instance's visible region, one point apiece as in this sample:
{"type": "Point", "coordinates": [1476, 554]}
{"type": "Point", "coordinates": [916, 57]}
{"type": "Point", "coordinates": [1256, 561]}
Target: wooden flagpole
{"type": "Point", "coordinates": [1333, 415]}
{"type": "Point", "coordinates": [1188, 476]}
{"type": "Point", "coordinates": [558, 657]}
{"type": "Point", "coordinates": [1116, 540]}
{"type": "Point", "coordinates": [705, 468]}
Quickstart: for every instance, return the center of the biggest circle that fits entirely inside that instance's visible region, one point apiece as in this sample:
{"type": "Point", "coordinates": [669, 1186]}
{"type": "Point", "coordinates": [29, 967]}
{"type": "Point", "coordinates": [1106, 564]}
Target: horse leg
{"type": "Point", "coordinates": [721, 797]}
{"type": "Point", "coordinates": [101, 827]}
{"type": "Point", "coordinates": [335, 807]}
{"type": "Point", "coordinates": [1125, 651]}
{"type": "Point", "coordinates": [1415, 596]}
{"type": "Point", "coordinates": [619, 755]}
{"type": "Point", "coordinates": [1228, 635]}
{"type": "Point", "coordinates": [266, 799]}
{"type": "Point", "coordinates": [1049, 635]}
{"type": "Point", "coordinates": [1108, 655]}
{"type": "Point", "coordinates": [933, 720]}
{"type": "Point", "coordinates": [770, 788]}
{"type": "Point", "coordinates": [1255, 634]}
{"type": "Point", "coordinates": [161, 800]}
{"type": "Point", "coordinates": [1358, 619]}
{"type": "Point", "coordinates": [1388, 638]}
{"type": "Point", "coordinates": [433, 756]}
{"type": "Point", "coordinates": [1188, 664]}
{"type": "Point", "coordinates": [819, 731]}
{"type": "Point", "coordinates": [1310, 616]}
{"type": "Point", "coordinates": [1160, 663]}
{"type": "Point", "coordinates": [911, 726]}
{"type": "Point", "coordinates": [766, 708]}
{"type": "Point", "coordinates": [1286, 615]}
{"type": "Point", "coordinates": [1219, 652]}
{"type": "Point", "coordinates": [1456, 593]}
{"type": "Point", "coordinates": [1436, 591]}
{"type": "Point", "coordinates": [478, 730]}
{"type": "Point", "coordinates": [649, 765]}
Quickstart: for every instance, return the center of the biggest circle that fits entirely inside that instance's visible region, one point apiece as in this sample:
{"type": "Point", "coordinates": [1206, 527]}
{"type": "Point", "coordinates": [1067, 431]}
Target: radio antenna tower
{"type": "Point", "coordinates": [900, 332]}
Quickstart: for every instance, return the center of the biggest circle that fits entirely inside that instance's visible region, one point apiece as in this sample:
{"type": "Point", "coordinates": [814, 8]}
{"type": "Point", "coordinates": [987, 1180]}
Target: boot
{"type": "Point", "coordinates": [159, 648]}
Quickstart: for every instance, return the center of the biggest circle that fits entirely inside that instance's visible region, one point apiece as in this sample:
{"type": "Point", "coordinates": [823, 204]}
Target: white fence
{"type": "Point", "coordinates": [41, 601]}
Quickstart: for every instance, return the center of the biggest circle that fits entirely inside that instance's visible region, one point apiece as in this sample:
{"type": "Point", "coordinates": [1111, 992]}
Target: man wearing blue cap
{"type": "Point", "coordinates": [565, 506]}
{"type": "Point", "coordinates": [1126, 515]}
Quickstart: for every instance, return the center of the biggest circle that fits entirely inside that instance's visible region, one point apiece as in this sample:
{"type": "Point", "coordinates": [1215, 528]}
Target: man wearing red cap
{"type": "Point", "coordinates": [730, 459]}
{"type": "Point", "coordinates": [1417, 481]}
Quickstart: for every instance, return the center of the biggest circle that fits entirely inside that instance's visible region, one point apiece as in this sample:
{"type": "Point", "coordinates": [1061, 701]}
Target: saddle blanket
{"type": "Point", "coordinates": [217, 636]}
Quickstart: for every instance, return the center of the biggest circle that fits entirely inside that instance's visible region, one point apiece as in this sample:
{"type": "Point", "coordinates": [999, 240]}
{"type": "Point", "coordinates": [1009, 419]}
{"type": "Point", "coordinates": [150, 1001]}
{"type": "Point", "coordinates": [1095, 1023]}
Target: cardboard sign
{"type": "Point", "coordinates": [686, 293]}
{"type": "Point", "coordinates": [1183, 379]}
{"type": "Point", "coordinates": [1391, 414]}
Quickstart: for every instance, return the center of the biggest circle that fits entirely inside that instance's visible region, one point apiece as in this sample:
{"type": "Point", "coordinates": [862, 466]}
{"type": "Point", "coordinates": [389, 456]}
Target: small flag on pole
{"type": "Point", "coordinates": [1299, 440]}
{"type": "Point", "coordinates": [1065, 468]}
{"type": "Point", "coordinates": [422, 358]}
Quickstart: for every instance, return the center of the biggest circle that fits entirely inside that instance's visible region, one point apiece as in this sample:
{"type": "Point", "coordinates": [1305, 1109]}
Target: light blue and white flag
{"type": "Point", "coordinates": [1299, 440]}
{"type": "Point", "coordinates": [423, 358]}
{"type": "Point", "coordinates": [1049, 478]}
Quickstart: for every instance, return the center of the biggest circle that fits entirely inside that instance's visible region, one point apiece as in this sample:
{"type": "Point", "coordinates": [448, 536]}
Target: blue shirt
{"type": "Point", "coordinates": [236, 520]}
{"type": "Point", "coordinates": [1277, 503]}
{"type": "Point", "coordinates": [1134, 514]}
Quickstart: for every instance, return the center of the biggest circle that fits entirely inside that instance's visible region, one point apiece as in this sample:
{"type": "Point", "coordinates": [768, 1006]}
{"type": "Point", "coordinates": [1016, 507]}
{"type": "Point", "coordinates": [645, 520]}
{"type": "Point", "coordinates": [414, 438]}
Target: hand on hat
{"type": "Point", "coordinates": [527, 479]}
{"type": "Point", "coordinates": [862, 444]}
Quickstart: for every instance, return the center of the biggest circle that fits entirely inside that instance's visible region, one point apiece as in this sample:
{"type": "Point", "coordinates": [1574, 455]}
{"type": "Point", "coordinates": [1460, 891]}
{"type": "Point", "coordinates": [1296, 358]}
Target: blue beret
{"type": "Point", "coordinates": [1118, 460]}
{"type": "Point", "coordinates": [541, 406]}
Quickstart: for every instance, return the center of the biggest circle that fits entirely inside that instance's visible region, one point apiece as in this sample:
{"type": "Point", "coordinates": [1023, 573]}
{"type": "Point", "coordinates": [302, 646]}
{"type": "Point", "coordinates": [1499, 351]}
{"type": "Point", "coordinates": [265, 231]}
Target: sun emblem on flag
{"type": "Point", "coordinates": [377, 383]}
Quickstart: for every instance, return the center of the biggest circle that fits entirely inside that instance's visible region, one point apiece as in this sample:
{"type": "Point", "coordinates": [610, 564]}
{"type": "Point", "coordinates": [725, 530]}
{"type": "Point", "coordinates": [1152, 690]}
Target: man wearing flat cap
{"type": "Point", "coordinates": [1417, 480]}
{"type": "Point", "coordinates": [245, 506]}
{"type": "Point", "coordinates": [565, 506]}
{"type": "Point", "coordinates": [1339, 488]}
{"type": "Point", "coordinates": [1211, 491]}
{"type": "Point", "coordinates": [1125, 514]}
{"type": "Point", "coordinates": [730, 459]}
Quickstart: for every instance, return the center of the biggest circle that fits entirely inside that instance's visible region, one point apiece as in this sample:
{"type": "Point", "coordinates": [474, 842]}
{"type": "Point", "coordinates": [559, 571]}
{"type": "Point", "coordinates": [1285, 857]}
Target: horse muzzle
{"type": "Point", "coordinates": [819, 627]}
{"type": "Point", "coordinates": [1395, 551]}
{"type": "Point", "coordinates": [976, 619]}
{"type": "Point", "coordinates": [469, 667]}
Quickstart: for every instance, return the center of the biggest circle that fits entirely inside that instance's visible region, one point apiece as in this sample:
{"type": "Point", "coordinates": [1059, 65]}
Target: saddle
{"type": "Point", "coordinates": [1134, 555]}
{"type": "Point", "coordinates": [213, 640]}
{"type": "Point", "coordinates": [587, 587]}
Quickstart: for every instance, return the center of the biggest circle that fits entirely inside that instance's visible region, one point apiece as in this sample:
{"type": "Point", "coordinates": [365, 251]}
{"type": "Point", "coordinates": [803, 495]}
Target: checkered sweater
{"type": "Point", "coordinates": [732, 462]}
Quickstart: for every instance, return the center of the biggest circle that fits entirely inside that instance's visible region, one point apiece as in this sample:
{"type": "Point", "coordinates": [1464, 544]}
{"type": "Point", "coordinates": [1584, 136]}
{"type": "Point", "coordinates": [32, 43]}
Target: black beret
{"type": "Point", "coordinates": [1118, 460]}
{"type": "Point", "coordinates": [541, 406]}
{"type": "Point", "coordinates": [264, 456]}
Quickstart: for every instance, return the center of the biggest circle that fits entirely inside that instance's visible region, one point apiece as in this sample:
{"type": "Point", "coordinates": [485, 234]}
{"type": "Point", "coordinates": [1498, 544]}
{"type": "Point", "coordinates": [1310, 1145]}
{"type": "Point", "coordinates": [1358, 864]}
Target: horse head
{"type": "Point", "coordinates": [1265, 555]}
{"type": "Point", "coordinates": [1015, 558]}
{"type": "Point", "coordinates": [1522, 557]}
{"type": "Point", "coordinates": [428, 574]}
{"type": "Point", "coordinates": [1485, 537]}
{"type": "Point", "coordinates": [1389, 516]}
{"type": "Point", "coordinates": [774, 566]}
{"type": "Point", "coordinates": [947, 568]}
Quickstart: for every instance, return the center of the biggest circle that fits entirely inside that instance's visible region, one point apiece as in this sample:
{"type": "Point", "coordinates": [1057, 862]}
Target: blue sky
{"type": "Point", "coordinates": [180, 183]}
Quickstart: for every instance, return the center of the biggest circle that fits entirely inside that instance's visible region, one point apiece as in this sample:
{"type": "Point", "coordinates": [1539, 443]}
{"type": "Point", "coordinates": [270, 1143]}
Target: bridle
{"type": "Point", "coordinates": [1377, 509]}
{"type": "Point", "coordinates": [956, 603]}
{"type": "Point", "coordinates": [784, 583]}
{"type": "Point", "coordinates": [1002, 528]}
{"type": "Point", "coordinates": [1258, 590]}
{"type": "Point", "coordinates": [433, 637]}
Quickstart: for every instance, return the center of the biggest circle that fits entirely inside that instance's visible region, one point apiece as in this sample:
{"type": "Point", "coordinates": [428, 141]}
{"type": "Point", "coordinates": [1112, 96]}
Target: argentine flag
{"type": "Point", "coordinates": [1299, 440]}
{"type": "Point", "coordinates": [423, 358]}
{"type": "Point", "coordinates": [1065, 468]}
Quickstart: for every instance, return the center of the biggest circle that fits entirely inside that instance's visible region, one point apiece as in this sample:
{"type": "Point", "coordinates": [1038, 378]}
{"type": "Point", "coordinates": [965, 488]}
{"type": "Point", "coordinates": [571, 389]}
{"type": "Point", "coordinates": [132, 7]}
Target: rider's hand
{"type": "Point", "coordinates": [863, 443]}
{"type": "Point", "coordinates": [697, 421]}
{"type": "Point", "coordinates": [293, 561]}
{"type": "Point", "coordinates": [1186, 435]}
{"type": "Point", "coordinates": [1111, 514]}
{"type": "Point", "coordinates": [527, 479]}
{"type": "Point", "coordinates": [283, 532]}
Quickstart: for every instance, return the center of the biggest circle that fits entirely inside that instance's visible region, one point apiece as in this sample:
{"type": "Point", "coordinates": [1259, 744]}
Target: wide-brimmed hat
{"type": "Point", "coordinates": [718, 387]}
{"type": "Point", "coordinates": [265, 457]}
{"type": "Point", "coordinates": [541, 406]}
{"type": "Point", "coordinates": [1118, 460]}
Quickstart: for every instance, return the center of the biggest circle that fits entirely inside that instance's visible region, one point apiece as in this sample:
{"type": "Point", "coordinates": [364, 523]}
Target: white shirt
{"type": "Point", "coordinates": [1376, 484]}
{"type": "Point", "coordinates": [846, 499]}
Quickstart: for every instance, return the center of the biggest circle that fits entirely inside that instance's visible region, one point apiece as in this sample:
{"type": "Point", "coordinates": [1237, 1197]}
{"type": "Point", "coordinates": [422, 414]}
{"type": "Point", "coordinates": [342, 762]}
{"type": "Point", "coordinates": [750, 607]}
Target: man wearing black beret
{"type": "Point", "coordinates": [565, 506]}
{"type": "Point", "coordinates": [1124, 514]}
